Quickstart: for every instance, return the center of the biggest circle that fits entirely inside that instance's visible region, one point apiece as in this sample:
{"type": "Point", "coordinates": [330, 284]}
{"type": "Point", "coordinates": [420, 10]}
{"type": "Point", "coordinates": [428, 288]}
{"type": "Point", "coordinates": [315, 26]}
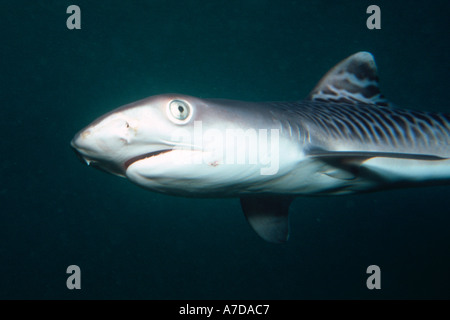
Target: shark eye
{"type": "Point", "coordinates": [179, 111]}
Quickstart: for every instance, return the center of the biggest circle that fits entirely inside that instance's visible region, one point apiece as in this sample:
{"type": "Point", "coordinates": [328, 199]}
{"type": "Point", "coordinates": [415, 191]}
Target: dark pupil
{"type": "Point", "coordinates": [181, 109]}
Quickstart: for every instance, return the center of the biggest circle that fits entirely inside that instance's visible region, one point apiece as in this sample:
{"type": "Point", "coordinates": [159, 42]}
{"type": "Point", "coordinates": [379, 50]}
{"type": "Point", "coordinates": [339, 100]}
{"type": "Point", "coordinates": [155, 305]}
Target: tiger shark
{"type": "Point", "coordinates": [344, 138]}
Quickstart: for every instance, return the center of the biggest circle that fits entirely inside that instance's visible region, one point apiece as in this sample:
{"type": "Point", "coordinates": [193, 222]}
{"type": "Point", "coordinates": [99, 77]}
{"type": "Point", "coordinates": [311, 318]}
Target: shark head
{"type": "Point", "coordinates": [182, 145]}
{"type": "Point", "coordinates": [136, 131]}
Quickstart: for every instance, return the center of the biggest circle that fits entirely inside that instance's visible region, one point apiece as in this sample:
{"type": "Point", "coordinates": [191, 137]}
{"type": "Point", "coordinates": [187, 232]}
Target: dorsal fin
{"type": "Point", "coordinates": [353, 80]}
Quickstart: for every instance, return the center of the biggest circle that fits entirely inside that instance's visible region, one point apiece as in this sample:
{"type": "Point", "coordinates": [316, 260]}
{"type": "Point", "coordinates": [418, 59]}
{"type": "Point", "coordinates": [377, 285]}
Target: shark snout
{"type": "Point", "coordinates": [92, 151]}
{"type": "Point", "coordinates": [83, 147]}
{"type": "Point", "coordinates": [81, 144]}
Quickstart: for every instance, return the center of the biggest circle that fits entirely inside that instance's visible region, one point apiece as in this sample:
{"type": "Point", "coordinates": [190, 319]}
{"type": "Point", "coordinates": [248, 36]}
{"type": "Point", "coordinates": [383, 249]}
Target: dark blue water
{"type": "Point", "coordinates": [131, 243]}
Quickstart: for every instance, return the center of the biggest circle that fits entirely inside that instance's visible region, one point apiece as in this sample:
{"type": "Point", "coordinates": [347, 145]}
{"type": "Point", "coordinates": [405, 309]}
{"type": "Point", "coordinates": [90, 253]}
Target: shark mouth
{"type": "Point", "coordinates": [129, 162]}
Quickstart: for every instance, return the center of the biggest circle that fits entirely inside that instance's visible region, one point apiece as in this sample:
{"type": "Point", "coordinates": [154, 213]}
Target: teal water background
{"type": "Point", "coordinates": [131, 243]}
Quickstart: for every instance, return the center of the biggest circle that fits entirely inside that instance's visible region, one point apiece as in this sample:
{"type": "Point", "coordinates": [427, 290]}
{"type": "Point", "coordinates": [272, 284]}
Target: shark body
{"type": "Point", "coordinates": [344, 138]}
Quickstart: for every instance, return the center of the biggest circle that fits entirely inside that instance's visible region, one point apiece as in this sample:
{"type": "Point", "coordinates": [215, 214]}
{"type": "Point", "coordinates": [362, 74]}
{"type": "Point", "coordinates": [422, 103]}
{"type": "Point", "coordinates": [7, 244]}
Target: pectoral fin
{"type": "Point", "coordinates": [348, 165]}
{"type": "Point", "coordinates": [268, 215]}
{"type": "Point", "coordinates": [364, 155]}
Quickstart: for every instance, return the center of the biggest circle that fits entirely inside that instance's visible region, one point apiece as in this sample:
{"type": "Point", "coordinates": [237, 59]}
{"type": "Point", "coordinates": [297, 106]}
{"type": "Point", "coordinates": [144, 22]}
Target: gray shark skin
{"type": "Point", "coordinates": [344, 138]}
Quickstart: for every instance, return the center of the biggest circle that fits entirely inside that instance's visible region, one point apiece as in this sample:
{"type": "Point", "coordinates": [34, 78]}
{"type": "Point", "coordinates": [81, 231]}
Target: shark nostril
{"type": "Point", "coordinates": [85, 134]}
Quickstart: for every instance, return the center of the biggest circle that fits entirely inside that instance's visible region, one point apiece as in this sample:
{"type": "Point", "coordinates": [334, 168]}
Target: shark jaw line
{"type": "Point", "coordinates": [129, 162]}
